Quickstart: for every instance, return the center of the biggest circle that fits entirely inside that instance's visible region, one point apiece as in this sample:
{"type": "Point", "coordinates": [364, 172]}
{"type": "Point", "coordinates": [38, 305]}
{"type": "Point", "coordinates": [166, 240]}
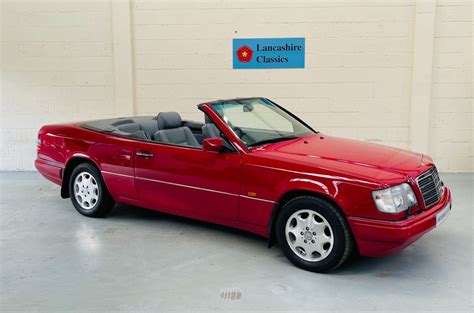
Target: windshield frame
{"type": "Point", "coordinates": [247, 145]}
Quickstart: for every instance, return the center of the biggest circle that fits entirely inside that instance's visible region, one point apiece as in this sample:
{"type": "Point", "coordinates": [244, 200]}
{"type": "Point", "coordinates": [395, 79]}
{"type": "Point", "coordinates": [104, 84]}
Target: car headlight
{"type": "Point", "coordinates": [394, 199]}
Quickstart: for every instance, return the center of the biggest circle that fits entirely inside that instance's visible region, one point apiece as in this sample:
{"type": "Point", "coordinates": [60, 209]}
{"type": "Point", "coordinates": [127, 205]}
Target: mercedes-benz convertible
{"type": "Point", "coordinates": [253, 165]}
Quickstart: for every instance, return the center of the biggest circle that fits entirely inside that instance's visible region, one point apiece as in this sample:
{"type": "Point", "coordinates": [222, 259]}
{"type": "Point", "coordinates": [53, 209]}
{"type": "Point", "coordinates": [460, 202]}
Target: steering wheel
{"type": "Point", "coordinates": [238, 131]}
{"type": "Point", "coordinates": [241, 134]}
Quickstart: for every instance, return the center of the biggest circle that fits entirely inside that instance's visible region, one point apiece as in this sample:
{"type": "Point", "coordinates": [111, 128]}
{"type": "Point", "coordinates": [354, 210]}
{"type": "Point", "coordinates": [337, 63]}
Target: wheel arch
{"type": "Point", "coordinates": [287, 196]}
{"type": "Point", "coordinates": [70, 165]}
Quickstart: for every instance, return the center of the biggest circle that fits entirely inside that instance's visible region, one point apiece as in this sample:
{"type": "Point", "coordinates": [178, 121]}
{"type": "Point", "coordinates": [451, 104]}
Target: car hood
{"type": "Point", "coordinates": [372, 161]}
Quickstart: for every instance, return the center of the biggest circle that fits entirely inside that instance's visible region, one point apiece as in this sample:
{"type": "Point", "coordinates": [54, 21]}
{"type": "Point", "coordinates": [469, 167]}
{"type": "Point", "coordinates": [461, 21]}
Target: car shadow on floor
{"type": "Point", "coordinates": [355, 265]}
{"type": "Point", "coordinates": [129, 212]}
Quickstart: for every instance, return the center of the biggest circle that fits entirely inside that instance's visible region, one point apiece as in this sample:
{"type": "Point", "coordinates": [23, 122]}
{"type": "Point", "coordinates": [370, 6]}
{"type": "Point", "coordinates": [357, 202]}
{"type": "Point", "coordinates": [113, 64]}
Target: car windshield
{"type": "Point", "coordinates": [259, 121]}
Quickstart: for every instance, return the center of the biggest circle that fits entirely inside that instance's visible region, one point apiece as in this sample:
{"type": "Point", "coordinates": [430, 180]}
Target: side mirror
{"type": "Point", "coordinates": [212, 144]}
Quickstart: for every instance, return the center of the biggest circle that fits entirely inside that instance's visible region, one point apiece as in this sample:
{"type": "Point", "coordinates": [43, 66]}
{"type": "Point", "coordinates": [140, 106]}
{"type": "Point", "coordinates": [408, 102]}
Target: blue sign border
{"type": "Point", "coordinates": [261, 53]}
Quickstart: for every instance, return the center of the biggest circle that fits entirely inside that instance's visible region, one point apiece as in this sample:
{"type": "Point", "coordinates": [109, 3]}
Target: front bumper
{"type": "Point", "coordinates": [382, 238]}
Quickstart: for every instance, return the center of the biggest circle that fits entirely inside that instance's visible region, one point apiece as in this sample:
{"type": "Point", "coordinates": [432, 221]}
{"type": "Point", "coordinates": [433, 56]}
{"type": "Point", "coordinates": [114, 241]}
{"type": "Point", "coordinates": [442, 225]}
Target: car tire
{"type": "Point", "coordinates": [313, 234]}
{"type": "Point", "coordinates": [89, 194]}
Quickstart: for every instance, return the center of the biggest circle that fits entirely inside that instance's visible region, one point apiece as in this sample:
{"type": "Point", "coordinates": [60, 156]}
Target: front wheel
{"type": "Point", "coordinates": [313, 234]}
{"type": "Point", "coordinates": [89, 195]}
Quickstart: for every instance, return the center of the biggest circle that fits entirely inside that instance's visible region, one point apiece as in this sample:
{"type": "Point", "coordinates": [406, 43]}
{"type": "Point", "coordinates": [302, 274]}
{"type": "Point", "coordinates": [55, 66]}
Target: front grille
{"type": "Point", "coordinates": [431, 187]}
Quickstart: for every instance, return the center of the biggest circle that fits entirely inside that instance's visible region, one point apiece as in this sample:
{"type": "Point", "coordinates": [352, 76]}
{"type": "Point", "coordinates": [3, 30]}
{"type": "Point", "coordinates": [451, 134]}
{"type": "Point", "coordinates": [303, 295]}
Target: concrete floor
{"type": "Point", "coordinates": [53, 259]}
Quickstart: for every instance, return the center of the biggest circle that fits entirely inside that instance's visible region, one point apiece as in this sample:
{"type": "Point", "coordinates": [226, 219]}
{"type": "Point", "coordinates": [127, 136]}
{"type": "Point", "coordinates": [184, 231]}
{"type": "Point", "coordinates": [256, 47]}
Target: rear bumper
{"type": "Point", "coordinates": [50, 170]}
{"type": "Point", "coordinates": [382, 238]}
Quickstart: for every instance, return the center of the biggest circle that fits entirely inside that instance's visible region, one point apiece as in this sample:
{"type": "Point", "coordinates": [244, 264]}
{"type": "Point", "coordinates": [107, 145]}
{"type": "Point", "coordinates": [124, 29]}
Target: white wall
{"type": "Point", "coordinates": [72, 60]}
{"type": "Point", "coordinates": [57, 65]}
{"type": "Point", "coordinates": [358, 61]}
{"type": "Point", "coordinates": [452, 115]}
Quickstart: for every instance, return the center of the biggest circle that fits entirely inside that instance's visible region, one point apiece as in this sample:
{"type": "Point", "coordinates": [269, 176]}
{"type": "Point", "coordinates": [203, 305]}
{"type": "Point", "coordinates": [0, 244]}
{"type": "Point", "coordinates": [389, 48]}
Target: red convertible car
{"type": "Point", "coordinates": [251, 164]}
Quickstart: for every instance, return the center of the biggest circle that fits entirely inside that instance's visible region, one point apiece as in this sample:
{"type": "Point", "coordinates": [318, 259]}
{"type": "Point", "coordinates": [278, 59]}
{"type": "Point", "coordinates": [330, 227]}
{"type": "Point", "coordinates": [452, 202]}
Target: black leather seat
{"type": "Point", "coordinates": [171, 130]}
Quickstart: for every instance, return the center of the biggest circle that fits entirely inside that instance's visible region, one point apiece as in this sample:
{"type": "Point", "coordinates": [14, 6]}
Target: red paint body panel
{"type": "Point", "coordinates": [189, 179]}
{"type": "Point", "coordinates": [242, 189]}
{"type": "Point", "coordinates": [381, 238]}
{"type": "Point", "coordinates": [50, 170]}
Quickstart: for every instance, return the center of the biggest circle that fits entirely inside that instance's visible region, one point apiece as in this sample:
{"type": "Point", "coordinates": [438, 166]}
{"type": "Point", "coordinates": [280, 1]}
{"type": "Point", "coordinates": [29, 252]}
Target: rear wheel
{"type": "Point", "coordinates": [89, 195]}
{"type": "Point", "coordinates": [313, 234]}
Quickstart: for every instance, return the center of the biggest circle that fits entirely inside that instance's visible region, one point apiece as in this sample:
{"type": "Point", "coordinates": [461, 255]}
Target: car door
{"type": "Point", "coordinates": [188, 179]}
{"type": "Point", "coordinates": [116, 159]}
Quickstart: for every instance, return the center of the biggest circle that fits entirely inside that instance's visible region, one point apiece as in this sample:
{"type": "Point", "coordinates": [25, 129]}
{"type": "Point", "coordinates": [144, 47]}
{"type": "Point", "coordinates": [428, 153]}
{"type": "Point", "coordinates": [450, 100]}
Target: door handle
{"type": "Point", "coordinates": [145, 155]}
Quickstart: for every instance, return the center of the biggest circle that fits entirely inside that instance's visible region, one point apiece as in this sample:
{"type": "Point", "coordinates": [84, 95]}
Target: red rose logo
{"type": "Point", "coordinates": [244, 54]}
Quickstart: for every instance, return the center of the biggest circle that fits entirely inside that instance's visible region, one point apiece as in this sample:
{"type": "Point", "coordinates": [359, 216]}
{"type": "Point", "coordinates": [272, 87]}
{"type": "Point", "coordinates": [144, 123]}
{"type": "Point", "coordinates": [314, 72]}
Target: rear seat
{"type": "Point", "coordinates": [148, 128]}
{"type": "Point", "coordinates": [134, 129]}
{"type": "Point", "coordinates": [129, 127]}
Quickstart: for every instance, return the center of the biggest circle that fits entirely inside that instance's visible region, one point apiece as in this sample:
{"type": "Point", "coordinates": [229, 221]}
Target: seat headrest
{"type": "Point", "coordinates": [168, 120]}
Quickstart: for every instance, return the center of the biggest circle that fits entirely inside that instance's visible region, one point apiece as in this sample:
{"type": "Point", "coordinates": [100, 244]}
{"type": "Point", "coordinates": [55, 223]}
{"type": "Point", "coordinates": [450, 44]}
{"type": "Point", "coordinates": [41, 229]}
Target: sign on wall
{"type": "Point", "coordinates": [268, 53]}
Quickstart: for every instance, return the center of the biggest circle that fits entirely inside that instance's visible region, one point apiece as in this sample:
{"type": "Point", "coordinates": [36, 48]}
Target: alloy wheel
{"type": "Point", "coordinates": [309, 235]}
{"type": "Point", "coordinates": [86, 190]}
